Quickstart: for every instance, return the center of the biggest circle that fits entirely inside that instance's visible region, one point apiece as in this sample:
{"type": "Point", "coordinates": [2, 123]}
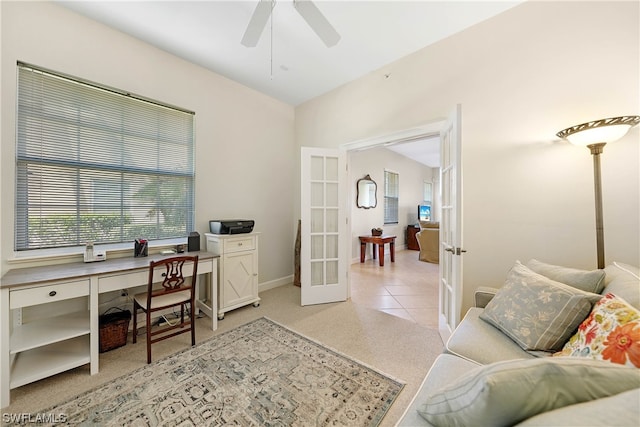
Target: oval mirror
{"type": "Point", "coordinates": [366, 193]}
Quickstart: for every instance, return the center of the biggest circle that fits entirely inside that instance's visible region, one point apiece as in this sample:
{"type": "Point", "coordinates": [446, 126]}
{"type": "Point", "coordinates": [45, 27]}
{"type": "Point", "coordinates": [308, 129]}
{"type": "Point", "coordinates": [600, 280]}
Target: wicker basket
{"type": "Point", "coordinates": [376, 231]}
{"type": "Point", "coordinates": [113, 329]}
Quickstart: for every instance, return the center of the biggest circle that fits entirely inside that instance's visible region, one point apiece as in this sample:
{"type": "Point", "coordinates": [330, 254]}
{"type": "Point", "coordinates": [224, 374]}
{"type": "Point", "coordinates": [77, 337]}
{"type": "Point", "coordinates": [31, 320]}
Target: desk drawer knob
{"type": "Point", "coordinates": [52, 293]}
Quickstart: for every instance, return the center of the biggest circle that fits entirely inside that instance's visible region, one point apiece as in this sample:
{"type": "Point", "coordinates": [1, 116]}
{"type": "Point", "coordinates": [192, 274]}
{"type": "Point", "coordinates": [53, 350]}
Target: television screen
{"type": "Point", "coordinates": [424, 213]}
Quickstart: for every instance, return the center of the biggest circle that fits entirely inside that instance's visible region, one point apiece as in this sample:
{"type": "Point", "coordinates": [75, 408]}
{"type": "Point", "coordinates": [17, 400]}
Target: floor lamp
{"type": "Point", "coordinates": [595, 135]}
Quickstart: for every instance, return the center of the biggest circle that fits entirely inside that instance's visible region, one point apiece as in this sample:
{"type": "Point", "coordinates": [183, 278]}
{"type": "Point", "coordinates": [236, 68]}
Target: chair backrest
{"type": "Point", "coordinates": [173, 277]}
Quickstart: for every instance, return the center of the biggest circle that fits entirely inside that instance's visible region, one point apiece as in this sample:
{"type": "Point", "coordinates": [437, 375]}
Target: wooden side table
{"type": "Point", "coordinates": [379, 241]}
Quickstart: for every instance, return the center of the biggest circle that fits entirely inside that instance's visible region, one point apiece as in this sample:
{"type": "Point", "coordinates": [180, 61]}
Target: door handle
{"type": "Point", "coordinates": [455, 251]}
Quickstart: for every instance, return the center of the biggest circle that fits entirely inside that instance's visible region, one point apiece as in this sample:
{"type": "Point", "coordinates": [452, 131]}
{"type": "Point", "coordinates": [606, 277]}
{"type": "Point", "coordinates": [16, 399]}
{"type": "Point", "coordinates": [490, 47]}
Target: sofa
{"type": "Point", "coordinates": [553, 346]}
{"type": "Point", "coordinates": [429, 241]}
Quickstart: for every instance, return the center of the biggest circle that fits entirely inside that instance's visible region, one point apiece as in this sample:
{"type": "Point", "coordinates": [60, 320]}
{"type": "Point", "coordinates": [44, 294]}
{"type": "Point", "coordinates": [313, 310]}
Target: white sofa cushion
{"type": "Point", "coordinates": [445, 369]}
{"type": "Point", "coordinates": [505, 393]}
{"type": "Point", "coordinates": [479, 341]}
{"type": "Point", "coordinates": [620, 410]}
{"type": "Point", "coordinates": [589, 281]}
{"type": "Point", "coordinates": [624, 281]}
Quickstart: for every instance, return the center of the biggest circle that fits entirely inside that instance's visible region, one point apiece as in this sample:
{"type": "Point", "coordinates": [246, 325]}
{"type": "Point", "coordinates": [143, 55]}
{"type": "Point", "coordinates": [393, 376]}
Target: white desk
{"type": "Point", "coordinates": [53, 342]}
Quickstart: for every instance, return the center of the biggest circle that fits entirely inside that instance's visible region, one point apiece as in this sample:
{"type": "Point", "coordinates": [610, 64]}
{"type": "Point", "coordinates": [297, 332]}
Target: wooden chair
{"type": "Point", "coordinates": [176, 290]}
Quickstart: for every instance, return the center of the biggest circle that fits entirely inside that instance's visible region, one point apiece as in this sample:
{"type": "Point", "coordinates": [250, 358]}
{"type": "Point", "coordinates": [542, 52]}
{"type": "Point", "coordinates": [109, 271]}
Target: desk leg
{"type": "Point", "coordinates": [373, 249]}
{"type": "Point", "coordinates": [381, 254]}
{"type": "Point", "coordinates": [363, 248]}
{"type": "Point", "coordinates": [213, 288]}
{"type": "Point", "coordinates": [94, 316]}
{"type": "Point", "coordinates": [209, 307]}
{"type": "Point", "coordinates": [5, 332]}
{"type": "Point", "coordinates": [392, 250]}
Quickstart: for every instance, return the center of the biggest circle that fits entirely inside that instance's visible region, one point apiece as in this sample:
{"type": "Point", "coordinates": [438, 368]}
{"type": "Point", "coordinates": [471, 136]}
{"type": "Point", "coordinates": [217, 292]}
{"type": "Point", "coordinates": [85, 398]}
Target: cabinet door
{"type": "Point", "coordinates": [240, 278]}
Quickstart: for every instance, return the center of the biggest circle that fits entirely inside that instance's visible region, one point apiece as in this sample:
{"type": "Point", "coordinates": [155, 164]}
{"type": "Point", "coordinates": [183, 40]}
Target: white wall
{"type": "Point", "coordinates": [244, 139]}
{"type": "Point", "coordinates": [411, 176]}
{"type": "Point", "coordinates": [521, 77]}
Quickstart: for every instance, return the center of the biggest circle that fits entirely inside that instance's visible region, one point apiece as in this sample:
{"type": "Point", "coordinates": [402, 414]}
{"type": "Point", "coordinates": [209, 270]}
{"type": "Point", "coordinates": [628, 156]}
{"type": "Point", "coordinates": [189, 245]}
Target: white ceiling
{"type": "Point", "coordinates": [425, 151]}
{"type": "Point", "coordinates": [296, 66]}
{"type": "Point", "coordinates": [290, 62]}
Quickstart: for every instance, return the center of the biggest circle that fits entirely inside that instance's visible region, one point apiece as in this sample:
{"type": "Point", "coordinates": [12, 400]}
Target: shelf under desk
{"type": "Point", "coordinates": [74, 341]}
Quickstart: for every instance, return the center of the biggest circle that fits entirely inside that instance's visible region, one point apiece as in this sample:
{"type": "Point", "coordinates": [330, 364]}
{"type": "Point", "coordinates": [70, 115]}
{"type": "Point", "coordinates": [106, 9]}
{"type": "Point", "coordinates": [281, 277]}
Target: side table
{"type": "Point", "coordinates": [379, 241]}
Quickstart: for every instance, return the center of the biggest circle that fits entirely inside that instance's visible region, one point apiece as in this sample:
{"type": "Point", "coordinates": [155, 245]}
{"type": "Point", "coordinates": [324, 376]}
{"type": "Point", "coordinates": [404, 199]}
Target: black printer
{"type": "Point", "coordinates": [231, 226]}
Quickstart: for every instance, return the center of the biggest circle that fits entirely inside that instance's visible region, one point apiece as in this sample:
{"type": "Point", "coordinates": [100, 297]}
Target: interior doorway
{"type": "Point", "coordinates": [407, 288]}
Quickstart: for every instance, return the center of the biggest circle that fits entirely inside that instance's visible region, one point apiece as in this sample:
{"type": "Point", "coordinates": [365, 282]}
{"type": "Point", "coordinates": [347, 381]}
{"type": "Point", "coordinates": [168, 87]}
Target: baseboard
{"type": "Point", "coordinates": [264, 286]}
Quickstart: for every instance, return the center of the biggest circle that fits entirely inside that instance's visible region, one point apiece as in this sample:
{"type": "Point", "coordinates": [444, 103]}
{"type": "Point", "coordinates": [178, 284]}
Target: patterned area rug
{"type": "Point", "coordinates": [259, 374]}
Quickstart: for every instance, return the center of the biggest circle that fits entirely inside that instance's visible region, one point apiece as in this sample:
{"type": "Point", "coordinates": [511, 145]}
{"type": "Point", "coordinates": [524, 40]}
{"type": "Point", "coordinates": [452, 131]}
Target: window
{"type": "Point", "coordinates": [391, 191]}
{"type": "Point", "coordinates": [427, 192]}
{"type": "Point", "coordinates": [98, 165]}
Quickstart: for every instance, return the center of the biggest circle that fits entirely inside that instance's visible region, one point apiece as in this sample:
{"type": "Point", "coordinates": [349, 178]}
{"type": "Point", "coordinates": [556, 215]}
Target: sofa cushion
{"type": "Point", "coordinates": [621, 410]}
{"type": "Point", "coordinates": [505, 393]}
{"type": "Point", "coordinates": [624, 281]}
{"type": "Point", "coordinates": [481, 342]}
{"type": "Point", "coordinates": [536, 312]}
{"type": "Point", "coordinates": [589, 281]}
{"type": "Point", "coordinates": [611, 332]}
{"type": "Point", "coordinates": [429, 224]}
{"type": "Point", "coordinates": [445, 369]}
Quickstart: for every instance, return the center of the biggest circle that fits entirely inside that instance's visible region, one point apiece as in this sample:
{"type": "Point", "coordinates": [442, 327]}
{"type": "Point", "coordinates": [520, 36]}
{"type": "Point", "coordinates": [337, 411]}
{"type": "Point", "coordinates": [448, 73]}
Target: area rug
{"type": "Point", "coordinates": [258, 374]}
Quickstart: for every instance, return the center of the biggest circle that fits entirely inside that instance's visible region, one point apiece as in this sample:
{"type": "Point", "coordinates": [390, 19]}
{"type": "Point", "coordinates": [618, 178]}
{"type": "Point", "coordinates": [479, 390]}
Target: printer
{"type": "Point", "coordinates": [231, 226]}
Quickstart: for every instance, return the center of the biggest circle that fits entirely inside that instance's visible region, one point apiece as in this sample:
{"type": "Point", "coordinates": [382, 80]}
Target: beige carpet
{"type": "Point", "coordinates": [397, 347]}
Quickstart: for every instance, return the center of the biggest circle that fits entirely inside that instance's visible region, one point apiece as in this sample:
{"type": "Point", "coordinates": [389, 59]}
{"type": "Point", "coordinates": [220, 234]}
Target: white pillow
{"type": "Point", "coordinates": [624, 281]}
{"type": "Point", "coordinates": [588, 281]}
{"type": "Point", "coordinates": [505, 393]}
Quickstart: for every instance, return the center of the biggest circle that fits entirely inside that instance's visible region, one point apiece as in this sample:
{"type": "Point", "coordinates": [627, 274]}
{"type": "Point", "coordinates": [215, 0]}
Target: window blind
{"type": "Point", "coordinates": [97, 165]}
{"type": "Point", "coordinates": [391, 193]}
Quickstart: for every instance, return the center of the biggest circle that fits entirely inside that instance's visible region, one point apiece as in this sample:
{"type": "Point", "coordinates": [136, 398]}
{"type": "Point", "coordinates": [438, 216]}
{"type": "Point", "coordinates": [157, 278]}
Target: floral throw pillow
{"type": "Point", "coordinates": [611, 332]}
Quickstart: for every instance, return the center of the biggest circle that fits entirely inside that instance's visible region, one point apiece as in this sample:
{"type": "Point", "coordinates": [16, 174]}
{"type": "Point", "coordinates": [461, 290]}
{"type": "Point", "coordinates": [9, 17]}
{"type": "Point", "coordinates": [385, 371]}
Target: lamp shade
{"type": "Point", "coordinates": [599, 131]}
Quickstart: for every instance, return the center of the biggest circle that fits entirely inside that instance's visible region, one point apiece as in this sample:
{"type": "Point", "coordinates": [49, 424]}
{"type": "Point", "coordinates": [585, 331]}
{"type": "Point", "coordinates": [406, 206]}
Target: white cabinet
{"type": "Point", "coordinates": [237, 269]}
{"type": "Point", "coordinates": [51, 330]}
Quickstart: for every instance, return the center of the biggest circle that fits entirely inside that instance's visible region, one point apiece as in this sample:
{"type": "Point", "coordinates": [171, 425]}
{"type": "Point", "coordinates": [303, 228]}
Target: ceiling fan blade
{"type": "Point", "coordinates": [317, 22]}
{"type": "Point", "coordinates": [257, 23]}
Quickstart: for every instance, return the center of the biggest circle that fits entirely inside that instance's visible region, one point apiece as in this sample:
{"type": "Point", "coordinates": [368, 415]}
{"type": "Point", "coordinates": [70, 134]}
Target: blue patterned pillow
{"type": "Point", "coordinates": [536, 312]}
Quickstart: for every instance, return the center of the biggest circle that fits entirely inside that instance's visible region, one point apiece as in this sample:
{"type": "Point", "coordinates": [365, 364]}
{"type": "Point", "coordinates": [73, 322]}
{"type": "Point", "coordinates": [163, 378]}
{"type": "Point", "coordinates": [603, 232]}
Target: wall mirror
{"type": "Point", "coordinates": [366, 193]}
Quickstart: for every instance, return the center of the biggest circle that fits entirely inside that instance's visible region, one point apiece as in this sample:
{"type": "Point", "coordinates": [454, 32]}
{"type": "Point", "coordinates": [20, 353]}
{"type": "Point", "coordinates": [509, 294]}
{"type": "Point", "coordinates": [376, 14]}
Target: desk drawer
{"type": "Point", "coordinates": [140, 277]}
{"type": "Point", "coordinates": [49, 293]}
{"type": "Point", "coordinates": [239, 244]}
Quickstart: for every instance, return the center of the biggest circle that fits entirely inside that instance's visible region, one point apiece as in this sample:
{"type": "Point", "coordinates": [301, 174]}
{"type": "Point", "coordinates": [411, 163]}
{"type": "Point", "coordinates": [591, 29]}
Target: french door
{"type": "Point", "coordinates": [450, 280]}
{"type": "Point", "coordinates": [323, 231]}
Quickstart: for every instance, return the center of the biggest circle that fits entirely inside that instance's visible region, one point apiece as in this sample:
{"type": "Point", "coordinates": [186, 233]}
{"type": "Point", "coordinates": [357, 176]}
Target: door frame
{"type": "Point", "coordinates": [429, 129]}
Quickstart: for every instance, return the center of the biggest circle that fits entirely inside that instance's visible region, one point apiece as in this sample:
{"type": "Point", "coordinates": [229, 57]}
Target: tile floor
{"type": "Point", "coordinates": [406, 288]}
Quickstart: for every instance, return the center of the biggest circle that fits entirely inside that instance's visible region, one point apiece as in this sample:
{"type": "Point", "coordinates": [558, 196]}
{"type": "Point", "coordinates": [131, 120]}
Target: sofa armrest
{"type": "Point", "coordinates": [483, 295]}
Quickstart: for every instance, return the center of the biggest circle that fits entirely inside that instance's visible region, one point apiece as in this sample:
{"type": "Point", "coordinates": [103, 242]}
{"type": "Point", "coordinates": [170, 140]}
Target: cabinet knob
{"type": "Point", "coordinates": [52, 293]}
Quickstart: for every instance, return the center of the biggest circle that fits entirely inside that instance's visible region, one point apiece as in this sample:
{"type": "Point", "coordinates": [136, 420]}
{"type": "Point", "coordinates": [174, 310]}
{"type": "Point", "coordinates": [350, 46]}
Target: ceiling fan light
{"type": "Point", "coordinates": [599, 131]}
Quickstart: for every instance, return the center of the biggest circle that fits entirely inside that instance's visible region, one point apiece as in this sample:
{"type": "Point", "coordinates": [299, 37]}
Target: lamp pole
{"type": "Point", "coordinates": [591, 134]}
{"type": "Point", "coordinates": [596, 150]}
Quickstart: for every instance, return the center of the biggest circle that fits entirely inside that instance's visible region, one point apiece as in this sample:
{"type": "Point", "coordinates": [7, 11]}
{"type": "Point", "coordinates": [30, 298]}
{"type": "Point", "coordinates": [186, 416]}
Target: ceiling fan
{"type": "Point", "coordinates": [309, 11]}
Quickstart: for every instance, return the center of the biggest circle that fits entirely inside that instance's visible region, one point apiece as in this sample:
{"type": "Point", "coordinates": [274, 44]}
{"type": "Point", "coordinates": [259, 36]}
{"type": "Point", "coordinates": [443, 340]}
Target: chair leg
{"type": "Point", "coordinates": [148, 336]}
{"type": "Point", "coordinates": [135, 322]}
{"type": "Point", "coordinates": [192, 319]}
